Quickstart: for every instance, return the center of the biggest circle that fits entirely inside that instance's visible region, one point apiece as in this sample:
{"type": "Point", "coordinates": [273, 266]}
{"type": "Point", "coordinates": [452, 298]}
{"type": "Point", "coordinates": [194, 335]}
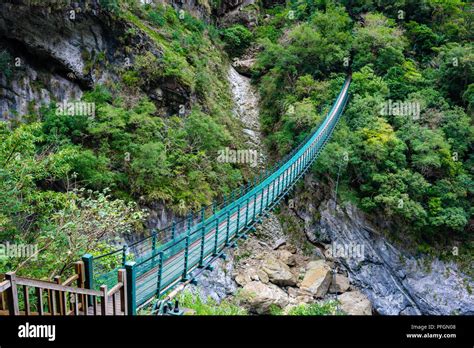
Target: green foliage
{"type": "Point", "coordinates": [63, 225]}
{"type": "Point", "coordinates": [126, 147]}
{"type": "Point", "coordinates": [136, 153]}
{"type": "Point", "coordinates": [237, 38]}
{"type": "Point", "coordinates": [209, 306]}
{"type": "Point", "coordinates": [275, 310]}
{"type": "Point", "coordinates": [129, 148]}
{"type": "Point", "coordinates": [110, 5]}
{"type": "Point", "coordinates": [413, 172]}
{"type": "Point", "coordinates": [5, 63]}
{"type": "Point", "coordinates": [379, 42]}
{"type": "Point", "coordinates": [326, 308]}
{"type": "Point", "coordinates": [157, 17]}
{"type": "Point", "coordinates": [291, 94]}
{"type": "Point", "coordinates": [457, 67]}
{"type": "Point", "coordinates": [68, 183]}
{"type": "Point", "coordinates": [312, 48]}
{"type": "Point", "coordinates": [422, 38]}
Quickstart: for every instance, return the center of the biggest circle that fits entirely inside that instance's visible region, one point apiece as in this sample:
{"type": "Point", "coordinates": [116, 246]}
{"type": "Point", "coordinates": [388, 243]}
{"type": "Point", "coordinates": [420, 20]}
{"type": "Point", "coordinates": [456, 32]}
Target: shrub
{"type": "Point", "coordinates": [327, 308]}
{"type": "Point", "coordinates": [209, 306]}
{"type": "Point", "coordinates": [236, 38]}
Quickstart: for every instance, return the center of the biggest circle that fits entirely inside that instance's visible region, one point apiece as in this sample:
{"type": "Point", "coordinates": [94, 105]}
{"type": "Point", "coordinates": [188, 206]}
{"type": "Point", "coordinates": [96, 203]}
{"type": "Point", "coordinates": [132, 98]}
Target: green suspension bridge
{"type": "Point", "coordinates": [181, 251]}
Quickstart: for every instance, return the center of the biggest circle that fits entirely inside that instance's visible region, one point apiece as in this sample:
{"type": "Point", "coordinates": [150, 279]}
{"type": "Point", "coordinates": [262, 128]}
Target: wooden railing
{"type": "Point", "coordinates": [25, 296]}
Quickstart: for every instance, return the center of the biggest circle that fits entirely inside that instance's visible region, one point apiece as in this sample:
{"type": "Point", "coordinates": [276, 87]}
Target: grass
{"type": "Point", "coordinates": [326, 308]}
{"type": "Point", "coordinates": [209, 306]}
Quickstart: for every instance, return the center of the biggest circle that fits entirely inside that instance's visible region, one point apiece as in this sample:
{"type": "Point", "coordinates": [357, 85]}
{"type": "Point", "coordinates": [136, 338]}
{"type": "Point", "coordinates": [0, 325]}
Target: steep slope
{"type": "Point", "coordinates": [131, 100]}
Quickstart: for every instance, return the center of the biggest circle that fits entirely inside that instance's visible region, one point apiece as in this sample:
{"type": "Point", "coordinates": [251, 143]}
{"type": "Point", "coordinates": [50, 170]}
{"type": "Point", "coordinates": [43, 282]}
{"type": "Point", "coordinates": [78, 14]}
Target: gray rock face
{"type": "Point", "coordinates": [54, 35]}
{"type": "Point", "coordinates": [59, 57]}
{"type": "Point", "coordinates": [395, 282]}
{"type": "Point", "coordinates": [271, 232]}
{"type": "Point", "coordinates": [160, 216]}
{"type": "Point", "coordinates": [238, 12]}
{"type": "Point", "coordinates": [246, 109]}
{"type": "Point", "coordinates": [53, 55]}
{"type": "Point", "coordinates": [218, 283]}
{"type": "Point", "coordinates": [18, 94]}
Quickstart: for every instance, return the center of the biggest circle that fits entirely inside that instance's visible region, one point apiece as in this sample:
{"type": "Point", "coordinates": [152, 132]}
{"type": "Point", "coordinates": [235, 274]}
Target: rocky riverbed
{"type": "Point", "coordinates": [326, 251]}
{"type": "Point", "coordinates": [266, 273]}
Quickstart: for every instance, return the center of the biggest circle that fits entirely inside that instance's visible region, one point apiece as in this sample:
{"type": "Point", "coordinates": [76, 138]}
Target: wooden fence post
{"type": "Point", "coordinates": [39, 301]}
{"type": "Point", "coordinates": [105, 299]}
{"type": "Point", "coordinates": [61, 298]}
{"type": "Point", "coordinates": [123, 292]}
{"type": "Point", "coordinates": [12, 294]}
{"type": "Point", "coordinates": [80, 271]}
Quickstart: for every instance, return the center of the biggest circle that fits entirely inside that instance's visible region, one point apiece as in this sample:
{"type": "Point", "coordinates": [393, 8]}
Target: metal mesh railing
{"type": "Point", "coordinates": [170, 255]}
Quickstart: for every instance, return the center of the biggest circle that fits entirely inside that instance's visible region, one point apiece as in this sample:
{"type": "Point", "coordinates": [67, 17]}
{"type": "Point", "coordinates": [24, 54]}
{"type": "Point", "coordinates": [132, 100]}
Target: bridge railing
{"type": "Point", "coordinates": [25, 296]}
{"type": "Point", "coordinates": [170, 255]}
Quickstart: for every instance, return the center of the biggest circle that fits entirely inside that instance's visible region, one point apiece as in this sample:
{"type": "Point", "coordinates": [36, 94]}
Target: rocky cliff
{"type": "Point", "coordinates": [58, 50]}
{"type": "Point", "coordinates": [396, 281]}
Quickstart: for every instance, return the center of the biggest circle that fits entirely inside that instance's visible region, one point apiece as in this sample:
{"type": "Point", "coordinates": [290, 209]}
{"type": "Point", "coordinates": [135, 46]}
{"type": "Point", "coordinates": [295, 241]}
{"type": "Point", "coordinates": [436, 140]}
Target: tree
{"type": "Point", "coordinates": [422, 38]}
{"type": "Point", "coordinates": [62, 224]}
{"type": "Point", "coordinates": [456, 71]}
{"type": "Point", "coordinates": [237, 38]}
{"type": "Point", "coordinates": [378, 36]}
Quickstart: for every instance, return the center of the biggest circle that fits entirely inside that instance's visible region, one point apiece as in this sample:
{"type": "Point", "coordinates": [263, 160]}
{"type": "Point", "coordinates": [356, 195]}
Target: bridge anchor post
{"type": "Point", "coordinates": [131, 276]}
{"type": "Point", "coordinates": [89, 273]}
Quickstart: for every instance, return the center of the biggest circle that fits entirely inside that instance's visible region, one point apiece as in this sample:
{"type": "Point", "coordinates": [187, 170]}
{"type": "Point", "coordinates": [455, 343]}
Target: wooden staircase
{"type": "Point", "coordinates": [25, 296]}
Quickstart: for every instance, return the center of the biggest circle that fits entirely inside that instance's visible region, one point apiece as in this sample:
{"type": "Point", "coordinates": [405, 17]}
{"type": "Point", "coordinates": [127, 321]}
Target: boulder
{"type": "Point", "coordinates": [278, 243]}
{"type": "Point", "coordinates": [247, 275]}
{"type": "Point", "coordinates": [291, 248]}
{"type": "Point", "coordinates": [339, 284]}
{"type": "Point", "coordinates": [298, 296]}
{"type": "Point", "coordinates": [278, 272]}
{"type": "Point", "coordinates": [217, 283]}
{"type": "Point", "coordinates": [260, 298]}
{"type": "Point", "coordinates": [262, 276]}
{"type": "Point", "coordinates": [244, 66]}
{"type": "Point", "coordinates": [355, 303]}
{"type": "Point", "coordinates": [245, 12]}
{"type": "Point", "coordinates": [242, 278]}
{"type": "Point", "coordinates": [286, 257]}
{"type": "Point", "coordinates": [317, 278]}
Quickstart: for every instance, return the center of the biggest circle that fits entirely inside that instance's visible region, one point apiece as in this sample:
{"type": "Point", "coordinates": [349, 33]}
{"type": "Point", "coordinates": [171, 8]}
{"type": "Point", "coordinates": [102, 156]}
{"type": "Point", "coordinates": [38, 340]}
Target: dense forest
{"type": "Point", "coordinates": [412, 170]}
{"type": "Point", "coordinates": [403, 149]}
